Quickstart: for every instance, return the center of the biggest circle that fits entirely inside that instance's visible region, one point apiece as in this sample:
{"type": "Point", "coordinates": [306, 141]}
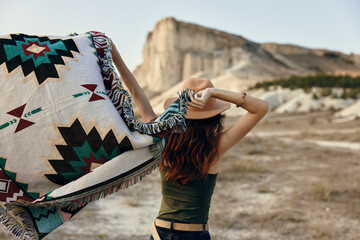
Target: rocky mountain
{"type": "Point", "coordinates": [176, 50]}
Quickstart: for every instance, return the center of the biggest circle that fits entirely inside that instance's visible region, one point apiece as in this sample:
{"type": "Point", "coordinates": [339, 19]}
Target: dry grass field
{"type": "Point", "coordinates": [294, 177]}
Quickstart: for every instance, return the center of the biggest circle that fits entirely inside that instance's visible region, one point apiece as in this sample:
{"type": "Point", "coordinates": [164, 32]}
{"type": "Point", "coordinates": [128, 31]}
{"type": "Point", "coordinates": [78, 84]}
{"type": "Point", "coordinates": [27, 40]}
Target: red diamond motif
{"type": "Point", "coordinates": [17, 112]}
{"type": "Point", "coordinates": [35, 49]}
{"type": "Point", "coordinates": [94, 96]}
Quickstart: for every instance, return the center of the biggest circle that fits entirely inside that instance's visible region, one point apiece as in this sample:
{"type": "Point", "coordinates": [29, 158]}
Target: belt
{"type": "Point", "coordinates": [177, 226]}
{"type": "Point", "coordinates": [182, 226]}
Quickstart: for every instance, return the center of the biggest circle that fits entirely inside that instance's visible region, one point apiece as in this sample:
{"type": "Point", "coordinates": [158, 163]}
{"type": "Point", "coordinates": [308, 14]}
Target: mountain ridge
{"type": "Point", "coordinates": [176, 50]}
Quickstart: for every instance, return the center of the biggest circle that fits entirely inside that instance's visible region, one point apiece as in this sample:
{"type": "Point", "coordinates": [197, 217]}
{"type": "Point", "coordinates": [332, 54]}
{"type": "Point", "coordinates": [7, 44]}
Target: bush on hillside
{"type": "Point", "coordinates": [350, 85]}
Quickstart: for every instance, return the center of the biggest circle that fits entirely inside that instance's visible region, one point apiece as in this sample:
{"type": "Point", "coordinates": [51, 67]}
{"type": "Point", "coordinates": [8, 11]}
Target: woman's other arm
{"type": "Point", "coordinates": [141, 100]}
{"type": "Point", "coordinates": [257, 108]}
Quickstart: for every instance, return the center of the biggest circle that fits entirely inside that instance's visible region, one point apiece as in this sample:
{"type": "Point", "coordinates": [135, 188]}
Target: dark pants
{"type": "Point", "coordinates": [169, 234]}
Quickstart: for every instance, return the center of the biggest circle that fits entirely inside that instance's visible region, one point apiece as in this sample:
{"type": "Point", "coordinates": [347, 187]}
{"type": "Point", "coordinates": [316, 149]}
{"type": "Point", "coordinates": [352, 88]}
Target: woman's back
{"type": "Point", "coordinates": [187, 203]}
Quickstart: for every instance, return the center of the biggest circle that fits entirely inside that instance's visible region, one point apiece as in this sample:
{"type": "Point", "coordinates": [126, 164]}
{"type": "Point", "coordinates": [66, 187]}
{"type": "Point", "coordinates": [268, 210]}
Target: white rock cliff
{"type": "Point", "coordinates": [176, 50]}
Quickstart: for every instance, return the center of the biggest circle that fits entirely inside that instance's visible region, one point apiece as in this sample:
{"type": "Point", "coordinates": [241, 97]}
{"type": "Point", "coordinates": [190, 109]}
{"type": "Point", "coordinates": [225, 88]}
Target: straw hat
{"type": "Point", "coordinates": [212, 108]}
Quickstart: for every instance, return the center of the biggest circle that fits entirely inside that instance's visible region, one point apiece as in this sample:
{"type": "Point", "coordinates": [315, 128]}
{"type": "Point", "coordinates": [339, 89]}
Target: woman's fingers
{"type": "Point", "coordinates": [195, 101]}
{"type": "Point", "coordinates": [199, 98]}
{"type": "Point", "coordinates": [195, 104]}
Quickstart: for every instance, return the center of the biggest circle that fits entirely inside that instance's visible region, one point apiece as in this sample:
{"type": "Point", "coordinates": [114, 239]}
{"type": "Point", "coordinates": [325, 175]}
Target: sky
{"type": "Point", "coordinates": [326, 24]}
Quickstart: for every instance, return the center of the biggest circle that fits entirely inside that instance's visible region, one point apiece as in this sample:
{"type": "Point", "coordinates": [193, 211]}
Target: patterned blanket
{"type": "Point", "coordinates": [68, 134]}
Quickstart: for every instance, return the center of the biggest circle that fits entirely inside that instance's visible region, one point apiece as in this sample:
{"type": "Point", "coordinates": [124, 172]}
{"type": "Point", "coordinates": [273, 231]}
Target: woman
{"type": "Point", "coordinates": [190, 160]}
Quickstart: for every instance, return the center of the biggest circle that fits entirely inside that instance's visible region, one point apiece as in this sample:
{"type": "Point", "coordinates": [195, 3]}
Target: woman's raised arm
{"type": "Point", "coordinates": [257, 108]}
{"type": "Point", "coordinates": [137, 94]}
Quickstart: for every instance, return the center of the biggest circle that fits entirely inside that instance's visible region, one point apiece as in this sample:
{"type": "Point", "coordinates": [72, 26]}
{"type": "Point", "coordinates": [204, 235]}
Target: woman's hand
{"type": "Point", "coordinates": [200, 98]}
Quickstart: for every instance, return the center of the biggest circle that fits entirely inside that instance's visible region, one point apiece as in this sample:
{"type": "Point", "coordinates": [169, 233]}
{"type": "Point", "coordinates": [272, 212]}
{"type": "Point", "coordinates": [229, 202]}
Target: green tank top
{"type": "Point", "coordinates": [188, 203]}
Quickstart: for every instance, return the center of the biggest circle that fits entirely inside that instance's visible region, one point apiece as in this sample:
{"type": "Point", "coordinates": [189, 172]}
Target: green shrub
{"type": "Point", "coordinates": [350, 85]}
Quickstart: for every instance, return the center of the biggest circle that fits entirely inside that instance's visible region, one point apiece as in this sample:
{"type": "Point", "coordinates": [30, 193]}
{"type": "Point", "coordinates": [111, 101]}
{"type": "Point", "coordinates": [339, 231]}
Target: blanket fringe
{"type": "Point", "coordinates": [177, 121]}
{"type": "Point", "coordinates": [22, 231]}
{"type": "Point", "coordinates": [122, 100]}
{"type": "Point", "coordinates": [82, 200]}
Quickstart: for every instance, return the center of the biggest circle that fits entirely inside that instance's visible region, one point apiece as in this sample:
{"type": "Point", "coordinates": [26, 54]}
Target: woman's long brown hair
{"type": "Point", "coordinates": [189, 155]}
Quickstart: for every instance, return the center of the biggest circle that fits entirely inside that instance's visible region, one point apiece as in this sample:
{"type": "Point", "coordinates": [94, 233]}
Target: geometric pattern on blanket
{"type": "Point", "coordinates": [68, 133]}
{"type": "Point", "coordinates": [9, 190]}
{"type": "Point", "coordinates": [21, 117]}
{"type": "Point", "coordinates": [39, 55]}
{"type": "Point", "coordinates": [83, 152]}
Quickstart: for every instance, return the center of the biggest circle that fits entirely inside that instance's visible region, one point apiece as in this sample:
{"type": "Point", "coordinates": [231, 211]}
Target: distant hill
{"type": "Point", "coordinates": [176, 50]}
